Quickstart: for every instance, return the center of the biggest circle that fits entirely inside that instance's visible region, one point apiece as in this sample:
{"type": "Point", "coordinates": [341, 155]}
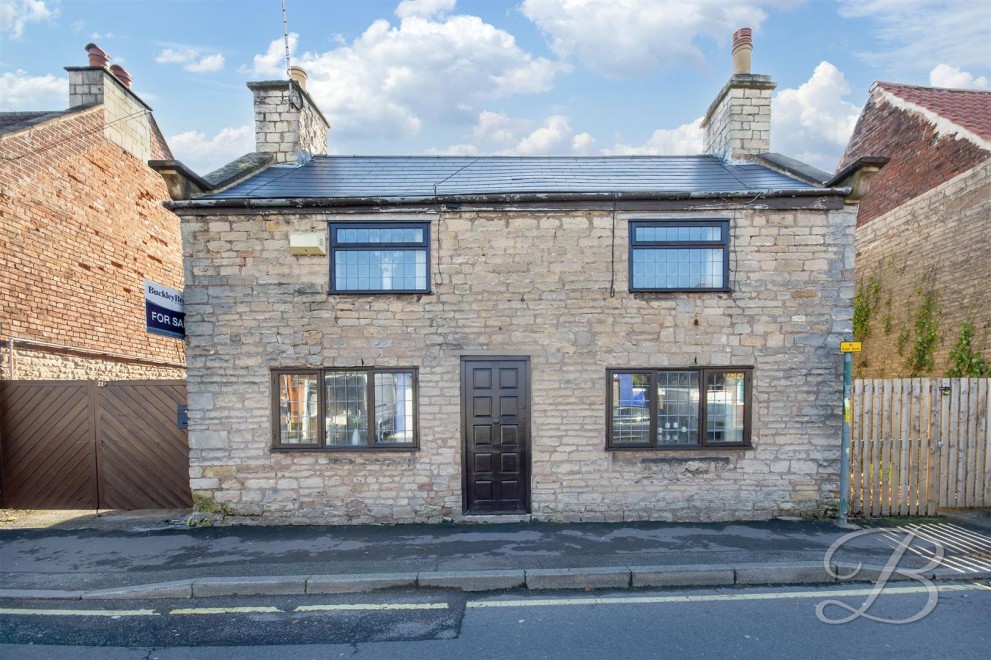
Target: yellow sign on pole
{"type": "Point", "coordinates": [850, 347]}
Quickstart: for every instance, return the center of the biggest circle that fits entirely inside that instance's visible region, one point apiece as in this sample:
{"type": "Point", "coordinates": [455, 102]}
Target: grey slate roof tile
{"type": "Point", "coordinates": [426, 176]}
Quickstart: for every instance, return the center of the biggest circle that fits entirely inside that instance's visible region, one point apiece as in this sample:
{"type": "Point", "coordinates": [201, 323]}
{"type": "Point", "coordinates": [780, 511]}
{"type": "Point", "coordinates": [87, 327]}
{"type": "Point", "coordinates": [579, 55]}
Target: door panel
{"type": "Point", "coordinates": [495, 396]}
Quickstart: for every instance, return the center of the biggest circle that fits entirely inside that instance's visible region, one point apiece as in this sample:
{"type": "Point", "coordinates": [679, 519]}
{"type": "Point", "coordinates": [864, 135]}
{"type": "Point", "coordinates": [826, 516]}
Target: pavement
{"type": "Point", "coordinates": [153, 554]}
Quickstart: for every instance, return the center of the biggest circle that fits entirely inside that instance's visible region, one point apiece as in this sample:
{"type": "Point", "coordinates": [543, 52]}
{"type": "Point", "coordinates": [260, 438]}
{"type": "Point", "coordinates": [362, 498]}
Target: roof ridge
{"type": "Point", "coordinates": [932, 88]}
{"type": "Point", "coordinates": [966, 113]}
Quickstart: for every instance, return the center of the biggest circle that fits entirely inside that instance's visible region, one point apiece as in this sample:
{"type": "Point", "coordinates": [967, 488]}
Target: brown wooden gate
{"type": "Point", "coordinates": [88, 445]}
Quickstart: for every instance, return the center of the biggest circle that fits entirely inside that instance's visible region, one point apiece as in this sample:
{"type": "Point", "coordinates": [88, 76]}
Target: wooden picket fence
{"type": "Point", "coordinates": [920, 445]}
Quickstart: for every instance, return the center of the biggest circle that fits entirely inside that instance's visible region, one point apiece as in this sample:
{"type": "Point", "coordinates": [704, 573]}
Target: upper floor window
{"type": "Point", "coordinates": [679, 408]}
{"type": "Point", "coordinates": [679, 255]}
{"type": "Point", "coordinates": [378, 257]}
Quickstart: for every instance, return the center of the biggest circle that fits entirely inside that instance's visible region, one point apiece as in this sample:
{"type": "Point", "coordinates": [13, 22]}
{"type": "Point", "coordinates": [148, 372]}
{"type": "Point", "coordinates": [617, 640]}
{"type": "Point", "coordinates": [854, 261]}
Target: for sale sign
{"type": "Point", "coordinates": [164, 311]}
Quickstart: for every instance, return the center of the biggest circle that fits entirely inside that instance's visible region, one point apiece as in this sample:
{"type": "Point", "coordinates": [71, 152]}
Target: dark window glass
{"type": "Point", "coordinates": [298, 420]}
{"type": "Point", "coordinates": [380, 258]}
{"type": "Point", "coordinates": [678, 408]}
{"type": "Point", "coordinates": [679, 255]}
{"type": "Point", "coordinates": [630, 408]}
{"type": "Point", "coordinates": [359, 409]}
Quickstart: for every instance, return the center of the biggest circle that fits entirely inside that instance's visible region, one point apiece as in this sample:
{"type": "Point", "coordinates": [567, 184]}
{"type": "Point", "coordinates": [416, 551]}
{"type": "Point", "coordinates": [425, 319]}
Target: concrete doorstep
{"type": "Point", "coordinates": [616, 577]}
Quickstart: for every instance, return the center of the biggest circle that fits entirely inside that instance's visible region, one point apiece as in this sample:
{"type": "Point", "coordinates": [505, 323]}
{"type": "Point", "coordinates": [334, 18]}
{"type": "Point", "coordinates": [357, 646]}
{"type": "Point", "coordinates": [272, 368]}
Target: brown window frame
{"type": "Point", "coordinates": [653, 408]}
{"type": "Point", "coordinates": [321, 444]}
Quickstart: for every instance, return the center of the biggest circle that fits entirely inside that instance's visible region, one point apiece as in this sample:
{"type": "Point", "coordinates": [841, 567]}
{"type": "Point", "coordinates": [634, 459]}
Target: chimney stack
{"type": "Point", "coordinates": [126, 117]}
{"type": "Point", "coordinates": [738, 123]}
{"type": "Point", "coordinates": [288, 123]}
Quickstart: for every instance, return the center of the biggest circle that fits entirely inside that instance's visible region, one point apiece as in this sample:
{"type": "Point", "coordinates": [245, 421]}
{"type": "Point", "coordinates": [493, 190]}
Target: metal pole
{"type": "Point", "coordinates": [845, 441]}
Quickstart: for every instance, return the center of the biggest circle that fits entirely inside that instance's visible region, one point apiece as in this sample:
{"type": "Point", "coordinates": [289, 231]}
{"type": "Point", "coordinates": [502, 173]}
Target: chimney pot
{"type": "Point", "coordinates": [298, 75]}
{"type": "Point", "coordinates": [742, 49]}
{"type": "Point", "coordinates": [120, 74]}
{"type": "Point", "coordinates": [97, 56]}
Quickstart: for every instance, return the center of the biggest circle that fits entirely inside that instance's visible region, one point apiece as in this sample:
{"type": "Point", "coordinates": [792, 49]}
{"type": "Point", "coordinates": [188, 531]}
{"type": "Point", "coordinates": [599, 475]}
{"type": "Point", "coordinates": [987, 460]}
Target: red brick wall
{"type": "Point", "coordinates": [920, 160]}
{"type": "Point", "coordinates": [83, 226]}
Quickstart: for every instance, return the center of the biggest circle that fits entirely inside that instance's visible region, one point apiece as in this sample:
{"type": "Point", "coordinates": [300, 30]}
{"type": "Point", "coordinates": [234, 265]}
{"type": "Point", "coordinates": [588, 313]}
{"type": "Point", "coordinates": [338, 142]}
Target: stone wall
{"type": "Point", "coordinates": [938, 242]}
{"type": "Point", "coordinates": [83, 227]}
{"type": "Point", "coordinates": [39, 363]}
{"type": "Point", "coordinates": [520, 283]}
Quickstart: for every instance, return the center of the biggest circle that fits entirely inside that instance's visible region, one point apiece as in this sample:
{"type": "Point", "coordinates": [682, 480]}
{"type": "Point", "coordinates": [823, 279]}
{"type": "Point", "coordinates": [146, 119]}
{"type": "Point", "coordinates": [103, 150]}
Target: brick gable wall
{"type": "Point", "coordinates": [83, 226]}
{"type": "Point", "coordinates": [921, 159]}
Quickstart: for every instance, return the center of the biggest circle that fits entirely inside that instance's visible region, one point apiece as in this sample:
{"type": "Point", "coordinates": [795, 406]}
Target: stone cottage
{"type": "Point", "coordinates": [923, 236]}
{"type": "Point", "coordinates": [400, 339]}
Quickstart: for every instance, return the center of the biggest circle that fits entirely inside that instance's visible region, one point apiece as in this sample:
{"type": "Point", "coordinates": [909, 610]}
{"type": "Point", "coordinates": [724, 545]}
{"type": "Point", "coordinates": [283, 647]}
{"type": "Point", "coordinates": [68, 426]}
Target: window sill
{"type": "Point", "coordinates": [345, 450]}
{"type": "Point", "coordinates": [681, 290]}
{"type": "Point", "coordinates": [331, 292]}
{"type": "Point", "coordinates": [680, 448]}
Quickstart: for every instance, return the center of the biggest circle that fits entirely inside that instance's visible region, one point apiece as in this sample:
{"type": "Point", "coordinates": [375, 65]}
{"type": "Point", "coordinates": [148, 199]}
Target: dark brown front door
{"type": "Point", "coordinates": [495, 400]}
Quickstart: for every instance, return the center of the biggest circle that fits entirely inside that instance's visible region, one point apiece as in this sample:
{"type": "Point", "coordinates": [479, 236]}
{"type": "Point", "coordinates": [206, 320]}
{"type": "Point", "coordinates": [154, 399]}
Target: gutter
{"type": "Point", "coordinates": [489, 198]}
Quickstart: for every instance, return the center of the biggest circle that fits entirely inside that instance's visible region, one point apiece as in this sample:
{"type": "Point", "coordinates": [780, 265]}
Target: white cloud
{"type": "Point", "coordinates": [272, 63]}
{"type": "Point", "coordinates": [206, 64]}
{"type": "Point", "coordinates": [16, 14]}
{"type": "Point", "coordinates": [499, 128]}
{"type": "Point", "coordinates": [917, 35]}
{"type": "Point", "coordinates": [945, 75]}
{"type": "Point", "coordinates": [19, 91]}
{"type": "Point", "coordinates": [191, 59]}
{"type": "Point", "coordinates": [431, 68]}
{"type": "Point", "coordinates": [424, 8]}
{"type": "Point", "coordinates": [627, 38]}
{"type": "Point", "coordinates": [683, 140]}
{"type": "Point", "coordinates": [205, 154]}
{"type": "Point", "coordinates": [813, 122]}
{"type": "Point", "coordinates": [554, 138]}
{"type": "Point", "coordinates": [454, 150]}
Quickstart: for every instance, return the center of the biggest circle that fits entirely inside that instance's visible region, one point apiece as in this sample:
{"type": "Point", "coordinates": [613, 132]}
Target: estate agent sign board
{"type": "Point", "coordinates": [164, 311]}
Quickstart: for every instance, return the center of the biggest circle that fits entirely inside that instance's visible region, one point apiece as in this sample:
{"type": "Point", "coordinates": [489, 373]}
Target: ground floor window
{"type": "Point", "coordinates": [678, 408]}
{"type": "Point", "coordinates": [344, 409]}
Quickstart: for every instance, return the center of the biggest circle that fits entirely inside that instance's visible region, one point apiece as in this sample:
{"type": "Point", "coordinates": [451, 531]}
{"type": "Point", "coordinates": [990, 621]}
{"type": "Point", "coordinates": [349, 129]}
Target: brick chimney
{"type": "Point", "coordinates": [288, 123]}
{"type": "Point", "coordinates": [738, 123]}
{"type": "Point", "coordinates": [127, 119]}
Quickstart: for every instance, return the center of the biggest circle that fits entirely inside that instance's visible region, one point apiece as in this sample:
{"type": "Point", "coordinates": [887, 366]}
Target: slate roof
{"type": "Point", "coordinates": [967, 108]}
{"type": "Point", "coordinates": [12, 120]}
{"type": "Point", "coordinates": [416, 177]}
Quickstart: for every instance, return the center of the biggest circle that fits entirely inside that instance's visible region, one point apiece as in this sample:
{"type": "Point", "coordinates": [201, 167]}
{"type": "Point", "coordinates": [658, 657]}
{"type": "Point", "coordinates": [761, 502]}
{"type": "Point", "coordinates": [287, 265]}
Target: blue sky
{"type": "Point", "coordinates": [529, 77]}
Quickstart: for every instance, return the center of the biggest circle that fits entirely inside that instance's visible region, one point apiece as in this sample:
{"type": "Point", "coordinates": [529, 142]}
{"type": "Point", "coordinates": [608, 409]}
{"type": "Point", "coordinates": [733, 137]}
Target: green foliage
{"type": "Point", "coordinates": [902, 341]}
{"type": "Point", "coordinates": [209, 505]}
{"type": "Point", "coordinates": [920, 360]}
{"type": "Point", "coordinates": [965, 362]}
{"type": "Point", "coordinates": [865, 302]}
{"type": "Point", "coordinates": [887, 324]}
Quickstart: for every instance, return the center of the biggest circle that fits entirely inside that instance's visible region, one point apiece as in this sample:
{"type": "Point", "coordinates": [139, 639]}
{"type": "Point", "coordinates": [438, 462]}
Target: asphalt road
{"type": "Point", "coordinates": [701, 623]}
